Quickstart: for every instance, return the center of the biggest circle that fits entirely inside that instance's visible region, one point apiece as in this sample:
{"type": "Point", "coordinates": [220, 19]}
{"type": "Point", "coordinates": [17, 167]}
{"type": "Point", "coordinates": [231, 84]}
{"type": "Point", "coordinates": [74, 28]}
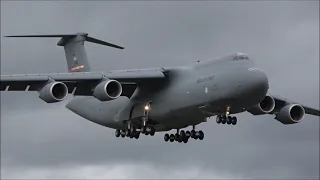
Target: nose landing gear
{"type": "Point", "coordinates": [226, 119]}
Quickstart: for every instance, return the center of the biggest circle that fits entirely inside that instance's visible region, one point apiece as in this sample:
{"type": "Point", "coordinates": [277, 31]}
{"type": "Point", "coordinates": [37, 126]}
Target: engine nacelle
{"type": "Point", "coordinates": [107, 90]}
{"type": "Point", "coordinates": [53, 92]}
{"type": "Point", "coordinates": [264, 107]}
{"type": "Point", "coordinates": [290, 114]}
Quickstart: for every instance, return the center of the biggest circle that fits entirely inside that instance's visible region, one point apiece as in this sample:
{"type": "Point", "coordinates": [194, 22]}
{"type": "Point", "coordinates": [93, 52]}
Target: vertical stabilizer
{"type": "Point", "coordinates": [76, 55]}
{"type": "Point", "coordinates": [73, 44]}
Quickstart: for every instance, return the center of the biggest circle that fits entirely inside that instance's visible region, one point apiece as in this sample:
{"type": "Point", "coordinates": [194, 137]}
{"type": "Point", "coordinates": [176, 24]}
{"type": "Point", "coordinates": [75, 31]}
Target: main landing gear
{"type": "Point", "coordinates": [184, 136]}
{"type": "Point", "coordinates": [133, 132]}
{"type": "Point", "coordinates": [226, 119]}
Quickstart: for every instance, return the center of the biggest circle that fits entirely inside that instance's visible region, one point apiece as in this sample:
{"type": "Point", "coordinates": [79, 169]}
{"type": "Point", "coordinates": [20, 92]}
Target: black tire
{"type": "Point", "coordinates": [218, 119]}
{"type": "Point", "coordinates": [166, 137]}
{"type": "Point", "coordinates": [193, 133]}
{"type": "Point", "coordinates": [223, 119]}
{"type": "Point", "coordinates": [143, 129]}
{"type": "Point", "coordinates": [176, 137]}
{"type": "Point", "coordinates": [152, 133]}
{"type": "Point", "coordinates": [182, 134]}
{"type": "Point", "coordinates": [229, 120]}
{"type": "Point", "coordinates": [201, 135]}
{"type": "Point", "coordinates": [196, 136]}
{"type": "Point", "coordinates": [188, 134]}
{"type": "Point", "coordinates": [234, 120]}
{"type": "Point", "coordinates": [123, 134]}
{"type": "Point", "coordinates": [127, 132]}
{"type": "Point", "coordinates": [137, 135]}
{"type": "Point", "coordinates": [171, 137]}
{"type": "Point", "coordinates": [133, 131]}
{"type": "Point", "coordinates": [185, 140]}
{"type": "Point", "coordinates": [148, 129]}
{"type": "Point", "coordinates": [117, 133]}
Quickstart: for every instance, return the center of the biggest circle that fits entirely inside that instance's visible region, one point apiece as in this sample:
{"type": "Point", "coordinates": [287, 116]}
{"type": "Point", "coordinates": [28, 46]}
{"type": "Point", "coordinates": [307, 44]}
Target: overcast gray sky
{"type": "Point", "coordinates": [48, 141]}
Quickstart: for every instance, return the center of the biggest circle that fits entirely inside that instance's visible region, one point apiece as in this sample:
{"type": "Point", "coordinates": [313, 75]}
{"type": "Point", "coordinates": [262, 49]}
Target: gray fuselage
{"type": "Point", "coordinates": [188, 96]}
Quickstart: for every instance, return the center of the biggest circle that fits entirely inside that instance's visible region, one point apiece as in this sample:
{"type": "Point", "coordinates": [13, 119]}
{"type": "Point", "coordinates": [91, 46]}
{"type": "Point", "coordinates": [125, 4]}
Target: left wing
{"type": "Point", "coordinates": [285, 111]}
{"type": "Point", "coordinates": [82, 83]}
{"type": "Point", "coordinates": [281, 102]}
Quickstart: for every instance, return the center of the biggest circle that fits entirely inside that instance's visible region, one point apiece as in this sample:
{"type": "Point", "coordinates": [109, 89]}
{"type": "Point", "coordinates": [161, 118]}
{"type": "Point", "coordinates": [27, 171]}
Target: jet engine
{"type": "Point", "coordinates": [290, 114]}
{"type": "Point", "coordinates": [107, 90]}
{"type": "Point", "coordinates": [264, 107]}
{"type": "Point", "coordinates": [53, 92]}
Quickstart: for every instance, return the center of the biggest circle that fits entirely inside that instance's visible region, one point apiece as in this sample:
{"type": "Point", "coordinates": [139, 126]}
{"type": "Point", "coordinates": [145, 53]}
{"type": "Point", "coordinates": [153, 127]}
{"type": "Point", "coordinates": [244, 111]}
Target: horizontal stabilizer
{"type": "Point", "coordinates": [52, 35]}
{"type": "Point", "coordinates": [77, 60]}
{"type": "Point", "coordinates": [67, 37]}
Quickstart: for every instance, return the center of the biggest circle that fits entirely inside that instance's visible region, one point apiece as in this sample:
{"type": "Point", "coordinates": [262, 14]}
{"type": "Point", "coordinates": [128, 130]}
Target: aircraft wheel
{"type": "Point", "coordinates": [196, 136]}
{"type": "Point", "coordinates": [223, 119]}
{"type": "Point", "coordinates": [123, 134]}
{"type": "Point", "coordinates": [188, 134]}
{"type": "Point", "coordinates": [133, 130]}
{"type": "Point", "coordinates": [201, 135]}
{"type": "Point", "coordinates": [193, 133]}
{"type": "Point", "coordinates": [229, 120]}
{"type": "Point", "coordinates": [143, 129]}
{"type": "Point", "coordinates": [127, 132]}
{"type": "Point", "coordinates": [137, 135]}
{"type": "Point", "coordinates": [117, 133]}
{"type": "Point", "coordinates": [166, 137]}
{"type": "Point", "coordinates": [171, 137]}
{"type": "Point", "coordinates": [176, 137]}
{"type": "Point", "coordinates": [185, 140]}
{"type": "Point", "coordinates": [148, 129]}
{"type": "Point", "coordinates": [153, 131]}
{"type": "Point", "coordinates": [218, 119]}
{"type": "Point", "coordinates": [234, 120]}
{"type": "Point", "coordinates": [182, 134]}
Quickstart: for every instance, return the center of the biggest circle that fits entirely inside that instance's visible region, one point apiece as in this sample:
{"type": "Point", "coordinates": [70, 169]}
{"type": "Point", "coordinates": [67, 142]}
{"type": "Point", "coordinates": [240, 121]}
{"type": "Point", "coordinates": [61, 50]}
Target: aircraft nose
{"type": "Point", "coordinates": [259, 81]}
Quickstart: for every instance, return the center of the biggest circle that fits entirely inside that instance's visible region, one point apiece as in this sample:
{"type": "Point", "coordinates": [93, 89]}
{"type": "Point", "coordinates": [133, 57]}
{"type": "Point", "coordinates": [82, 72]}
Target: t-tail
{"type": "Point", "coordinates": [73, 44]}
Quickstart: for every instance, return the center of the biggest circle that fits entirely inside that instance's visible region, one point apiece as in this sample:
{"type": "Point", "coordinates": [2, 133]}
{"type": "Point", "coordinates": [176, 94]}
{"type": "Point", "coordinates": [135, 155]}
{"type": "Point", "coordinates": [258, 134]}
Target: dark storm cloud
{"type": "Point", "coordinates": [282, 37]}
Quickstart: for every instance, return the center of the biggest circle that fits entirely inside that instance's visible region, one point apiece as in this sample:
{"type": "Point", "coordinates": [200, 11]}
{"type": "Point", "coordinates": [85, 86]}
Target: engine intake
{"type": "Point", "coordinates": [107, 90]}
{"type": "Point", "coordinates": [291, 114]}
{"type": "Point", "coordinates": [53, 92]}
{"type": "Point", "coordinates": [264, 107]}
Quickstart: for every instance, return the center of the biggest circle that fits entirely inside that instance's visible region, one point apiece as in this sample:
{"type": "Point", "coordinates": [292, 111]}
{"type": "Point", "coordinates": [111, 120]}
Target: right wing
{"type": "Point", "coordinates": [83, 83]}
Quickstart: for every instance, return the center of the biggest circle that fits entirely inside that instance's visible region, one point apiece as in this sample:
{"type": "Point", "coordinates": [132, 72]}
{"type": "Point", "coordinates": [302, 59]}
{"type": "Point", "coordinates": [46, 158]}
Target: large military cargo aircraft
{"type": "Point", "coordinates": [146, 101]}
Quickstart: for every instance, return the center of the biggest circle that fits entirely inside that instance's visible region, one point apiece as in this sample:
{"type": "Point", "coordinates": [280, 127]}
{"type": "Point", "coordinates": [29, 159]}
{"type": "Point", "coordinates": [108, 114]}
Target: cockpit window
{"type": "Point", "coordinates": [241, 57]}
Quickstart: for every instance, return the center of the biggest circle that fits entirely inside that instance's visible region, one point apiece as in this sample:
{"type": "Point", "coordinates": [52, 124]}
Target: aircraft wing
{"type": "Point", "coordinates": [82, 83]}
{"type": "Point", "coordinates": [281, 101]}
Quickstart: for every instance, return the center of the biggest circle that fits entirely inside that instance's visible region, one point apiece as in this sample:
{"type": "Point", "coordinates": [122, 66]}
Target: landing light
{"type": "Point", "coordinates": [228, 110]}
{"type": "Point", "coordinates": [146, 108]}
